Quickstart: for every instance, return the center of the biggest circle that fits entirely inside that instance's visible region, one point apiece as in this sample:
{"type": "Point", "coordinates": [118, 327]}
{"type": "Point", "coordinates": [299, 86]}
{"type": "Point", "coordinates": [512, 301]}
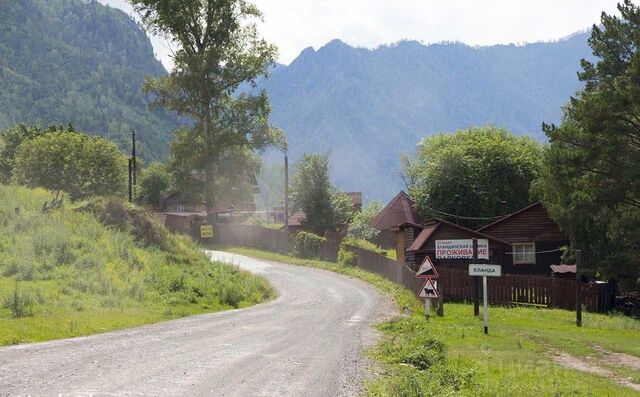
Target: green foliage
{"type": "Point", "coordinates": [234, 169]}
{"type": "Point", "coordinates": [79, 61]}
{"type": "Point", "coordinates": [12, 138]}
{"type": "Point", "coordinates": [359, 227]}
{"type": "Point", "coordinates": [19, 303]}
{"type": "Point", "coordinates": [104, 265]}
{"type": "Point", "coordinates": [218, 49]}
{"type": "Point", "coordinates": [324, 207]}
{"type": "Point", "coordinates": [307, 245]}
{"type": "Point", "coordinates": [73, 162]}
{"type": "Point", "coordinates": [484, 166]}
{"type": "Point", "coordinates": [347, 254]}
{"type": "Point", "coordinates": [153, 184]}
{"type": "Point", "coordinates": [591, 182]}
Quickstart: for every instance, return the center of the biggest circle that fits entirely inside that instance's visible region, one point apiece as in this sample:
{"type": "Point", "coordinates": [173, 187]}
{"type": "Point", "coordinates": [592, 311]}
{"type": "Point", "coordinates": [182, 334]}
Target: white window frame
{"type": "Point", "coordinates": [524, 253]}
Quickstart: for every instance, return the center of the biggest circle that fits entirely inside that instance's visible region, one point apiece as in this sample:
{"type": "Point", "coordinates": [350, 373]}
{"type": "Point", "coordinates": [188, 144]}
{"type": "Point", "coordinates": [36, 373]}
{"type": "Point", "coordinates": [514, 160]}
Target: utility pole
{"type": "Point", "coordinates": [134, 166]}
{"type": "Point", "coordinates": [578, 288]}
{"type": "Point", "coordinates": [457, 198]}
{"type": "Point", "coordinates": [286, 193]}
{"type": "Point", "coordinates": [130, 183]}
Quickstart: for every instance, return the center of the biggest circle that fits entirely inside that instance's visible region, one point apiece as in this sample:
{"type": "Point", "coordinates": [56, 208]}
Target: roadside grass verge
{"type": "Point", "coordinates": [100, 266]}
{"type": "Point", "coordinates": [451, 356]}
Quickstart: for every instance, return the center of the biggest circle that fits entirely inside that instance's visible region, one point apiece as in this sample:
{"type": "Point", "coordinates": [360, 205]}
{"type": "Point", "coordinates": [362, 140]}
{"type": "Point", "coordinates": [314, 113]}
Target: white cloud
{"type": "Point", "coordinates": [296, 24]}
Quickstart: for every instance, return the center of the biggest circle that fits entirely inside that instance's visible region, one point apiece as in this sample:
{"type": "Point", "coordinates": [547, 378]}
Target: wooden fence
{"type": "Point", "coordinates": [252, 236]}
{"type": "Point", "coordinates": [457, 285]}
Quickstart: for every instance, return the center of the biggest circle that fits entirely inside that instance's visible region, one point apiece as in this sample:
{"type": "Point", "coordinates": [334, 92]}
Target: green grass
{"type": "Point", "coordinates": [451, 355]}
{"type": "Point", "coordinates": [82, 269]}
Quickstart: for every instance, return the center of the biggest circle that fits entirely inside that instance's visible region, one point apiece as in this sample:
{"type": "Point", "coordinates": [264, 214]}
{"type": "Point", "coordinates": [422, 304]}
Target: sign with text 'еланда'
{"type": "Point", "coordinates": [485, 270]}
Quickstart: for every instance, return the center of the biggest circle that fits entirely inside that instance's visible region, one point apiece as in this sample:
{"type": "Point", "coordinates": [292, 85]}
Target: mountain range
{"type": "Point", "coordinates": [364, 108]}
{"type": "Point", "coordinates": [79, 61]}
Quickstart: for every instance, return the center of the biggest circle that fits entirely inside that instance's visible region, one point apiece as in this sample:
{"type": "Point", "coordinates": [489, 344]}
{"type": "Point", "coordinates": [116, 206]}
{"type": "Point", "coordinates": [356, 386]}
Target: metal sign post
{"type": "Point", "coordinates": [486, 307]}
{"type": "Point", "coordinates": [485, 271]}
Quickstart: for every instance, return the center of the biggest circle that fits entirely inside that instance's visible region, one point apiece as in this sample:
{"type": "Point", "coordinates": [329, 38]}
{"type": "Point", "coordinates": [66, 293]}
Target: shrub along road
{"type": "Point", "coordinates": [306, 342]}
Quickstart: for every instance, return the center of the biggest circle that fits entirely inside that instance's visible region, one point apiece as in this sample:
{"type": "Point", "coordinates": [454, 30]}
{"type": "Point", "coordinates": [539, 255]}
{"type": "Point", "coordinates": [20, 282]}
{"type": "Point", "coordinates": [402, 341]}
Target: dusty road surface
{"type": "Point", "coordinates": [308, 342]}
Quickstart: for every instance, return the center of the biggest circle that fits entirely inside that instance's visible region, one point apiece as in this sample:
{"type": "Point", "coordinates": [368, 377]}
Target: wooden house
{"type": "Point", "coordinates": [434, 229]}
{"type": "Point", "coordinates": [400, 211]}
{"type": "Point", "coordinates": [534, 238]}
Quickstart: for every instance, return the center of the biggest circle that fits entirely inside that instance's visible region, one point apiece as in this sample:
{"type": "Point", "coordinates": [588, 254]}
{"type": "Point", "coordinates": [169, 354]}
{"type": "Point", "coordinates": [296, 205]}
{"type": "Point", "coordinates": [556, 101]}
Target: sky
{"type": "Point", "coordinates": [294, 25]}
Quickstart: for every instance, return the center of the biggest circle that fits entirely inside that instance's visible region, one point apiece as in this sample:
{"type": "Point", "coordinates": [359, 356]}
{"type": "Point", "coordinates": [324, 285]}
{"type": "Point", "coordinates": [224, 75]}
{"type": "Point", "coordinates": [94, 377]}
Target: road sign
{"type": "Point", "coordinates": [485, 270]}
{"type": "Point", "coordinates": [427, 270]}
{"type": "Point", "coordinates": [429, 290]}
{"type": "Point", "coordinates": [206, 231]}
{"type": "Point", "coordinates": [461, 249]}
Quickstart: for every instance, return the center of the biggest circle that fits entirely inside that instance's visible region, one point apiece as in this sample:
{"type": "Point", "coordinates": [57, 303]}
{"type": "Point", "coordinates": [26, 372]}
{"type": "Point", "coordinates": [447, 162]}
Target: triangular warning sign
{"type": "Point", "coordinates": [427, 270]}
{"type": "Point", "coordinates": [429, 290]}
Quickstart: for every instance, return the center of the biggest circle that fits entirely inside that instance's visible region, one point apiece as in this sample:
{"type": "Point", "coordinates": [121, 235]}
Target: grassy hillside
{"type": "Point", "coordinates": [64, 273]}
{"type": "Point", "coordinates": [450, 356]}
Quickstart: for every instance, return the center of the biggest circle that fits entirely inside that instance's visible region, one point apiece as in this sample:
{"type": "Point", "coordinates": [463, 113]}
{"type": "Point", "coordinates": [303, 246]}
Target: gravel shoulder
{"type": "Point", "coordinates": [309, 341]}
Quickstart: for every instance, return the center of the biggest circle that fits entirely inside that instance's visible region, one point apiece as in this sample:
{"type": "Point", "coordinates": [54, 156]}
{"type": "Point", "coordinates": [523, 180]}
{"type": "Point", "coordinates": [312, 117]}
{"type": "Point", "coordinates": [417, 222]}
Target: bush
{"type": "Point", "coordinates": [19, 303]}
{"type": "Point", "coordinates": [307, 245]}
{"type": "Point", "coordinates": [347, 253]}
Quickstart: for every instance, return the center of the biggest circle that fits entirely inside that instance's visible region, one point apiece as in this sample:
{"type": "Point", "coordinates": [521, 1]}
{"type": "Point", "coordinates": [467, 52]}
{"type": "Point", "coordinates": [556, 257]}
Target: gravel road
{"type": "Point", "coordinates": [307, 342]}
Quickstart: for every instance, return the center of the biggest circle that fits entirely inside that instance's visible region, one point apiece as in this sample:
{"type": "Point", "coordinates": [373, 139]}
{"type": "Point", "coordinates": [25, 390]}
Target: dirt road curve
{"type": "Point", "coordinates": [308, 342]}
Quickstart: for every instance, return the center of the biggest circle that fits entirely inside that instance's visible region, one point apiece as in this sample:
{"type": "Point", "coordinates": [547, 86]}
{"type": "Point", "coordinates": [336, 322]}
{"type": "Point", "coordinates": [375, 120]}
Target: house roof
{"type": "Point", "coordinates": [511, 215]}
{"type": "Point", "coordinates": [423, 237]}
{"type": "Point", "coordinates": [433, 224]}
{"type": "Point", "coordinates": [399, 211]}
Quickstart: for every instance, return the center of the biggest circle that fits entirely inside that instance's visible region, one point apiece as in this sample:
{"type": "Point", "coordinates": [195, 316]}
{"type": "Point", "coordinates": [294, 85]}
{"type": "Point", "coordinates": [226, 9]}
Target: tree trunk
{"type": "Point", "coordinates": [209, 191]}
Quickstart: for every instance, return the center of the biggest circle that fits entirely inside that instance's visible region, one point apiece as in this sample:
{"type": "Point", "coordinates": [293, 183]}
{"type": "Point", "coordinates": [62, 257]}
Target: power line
{"type": "Point", "coordinates": [536, 252]}
{"type": "Point", "coordinates": [473, 218]}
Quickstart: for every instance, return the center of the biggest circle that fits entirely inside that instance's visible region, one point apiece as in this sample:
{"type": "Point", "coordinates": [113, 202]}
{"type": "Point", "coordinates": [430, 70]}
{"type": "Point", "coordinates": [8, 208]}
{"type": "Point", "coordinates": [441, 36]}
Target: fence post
{"type": "Point", "coordinates": [578, 288]}
{"type": "Point", "coordinates": [440, 311]}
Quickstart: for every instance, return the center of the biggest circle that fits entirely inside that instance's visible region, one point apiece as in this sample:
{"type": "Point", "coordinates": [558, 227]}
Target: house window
{"type": "Point", "coordinates": [180, 208]}
{"type": "Point", "coordinates": [524, 254]}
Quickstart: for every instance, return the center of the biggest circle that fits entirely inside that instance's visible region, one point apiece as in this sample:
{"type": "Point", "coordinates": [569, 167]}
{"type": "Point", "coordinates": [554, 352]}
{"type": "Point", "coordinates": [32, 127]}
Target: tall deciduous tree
{"type": "Point", "coordinates": [324, 207]}
{"type": "Point", "coordinates": [483, 166]}
{"type": "Point", "coordinates": [218, 50]}
{"type": "Point", "coordinates": [592, 177]}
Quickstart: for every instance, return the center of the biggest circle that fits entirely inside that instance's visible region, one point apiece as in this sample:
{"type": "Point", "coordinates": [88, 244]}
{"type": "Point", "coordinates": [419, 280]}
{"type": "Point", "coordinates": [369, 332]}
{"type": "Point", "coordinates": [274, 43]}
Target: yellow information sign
{"type": "Point", "coordinates": [206, 231]}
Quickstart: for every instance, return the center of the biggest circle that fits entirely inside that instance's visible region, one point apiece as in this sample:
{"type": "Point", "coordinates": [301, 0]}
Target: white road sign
{"type": "Point", "coordinates": [429, 290]}
{"type": "Point", "coordinates": [427, 270]}
{"type": "Point", "coordinates": [485, 270]}
{"type": "Point", "coordinates": [461, 249]}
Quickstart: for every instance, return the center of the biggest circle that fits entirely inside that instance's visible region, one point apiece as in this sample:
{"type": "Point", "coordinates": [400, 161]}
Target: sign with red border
{"type": "Point", "coordinates": [427, 270]}
{"type": "Point", "coordinates": [429, 290]}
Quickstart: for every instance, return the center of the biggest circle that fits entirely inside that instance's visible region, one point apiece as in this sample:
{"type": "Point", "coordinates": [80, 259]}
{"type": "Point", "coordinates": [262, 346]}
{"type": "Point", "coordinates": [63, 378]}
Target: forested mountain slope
{"type": "Point", "coordinates": [366, 107]}
{"type": "Point", "coordinates": [78, 61]}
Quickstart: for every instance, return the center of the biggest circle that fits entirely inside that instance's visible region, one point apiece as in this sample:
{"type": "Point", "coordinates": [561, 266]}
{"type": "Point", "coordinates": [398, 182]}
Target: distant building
{"type": "Point", "coordinates": [524, 242]}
